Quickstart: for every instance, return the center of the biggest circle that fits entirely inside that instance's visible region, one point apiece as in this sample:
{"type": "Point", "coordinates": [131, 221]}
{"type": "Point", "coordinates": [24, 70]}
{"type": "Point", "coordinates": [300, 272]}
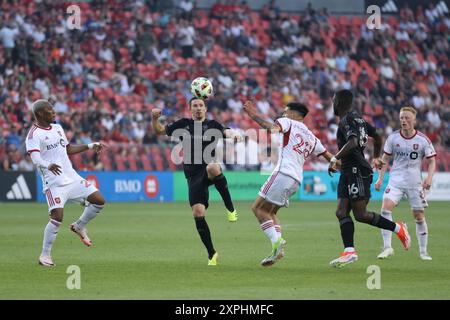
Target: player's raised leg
{"type": "Point", "coordinates": [96, 203]}
{"type": "Point", "coordinates": [376, 220]}
{"type": "Point", "coordinates": [220, 182]}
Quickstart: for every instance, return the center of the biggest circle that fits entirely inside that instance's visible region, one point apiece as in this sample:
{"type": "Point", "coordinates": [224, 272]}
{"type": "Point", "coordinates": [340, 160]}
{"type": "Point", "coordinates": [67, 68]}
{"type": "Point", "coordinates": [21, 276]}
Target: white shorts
{"type": "Point", "coordinates": [279, 188]}
{"type": "Point", "coordinates": [77, 192]}
{"type": "Point", "coordinates": [415, 196]}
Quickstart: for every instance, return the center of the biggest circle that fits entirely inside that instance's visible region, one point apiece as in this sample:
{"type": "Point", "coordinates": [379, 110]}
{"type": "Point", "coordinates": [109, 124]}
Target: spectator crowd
{"type": "Point", "coordinates": [131, 56]}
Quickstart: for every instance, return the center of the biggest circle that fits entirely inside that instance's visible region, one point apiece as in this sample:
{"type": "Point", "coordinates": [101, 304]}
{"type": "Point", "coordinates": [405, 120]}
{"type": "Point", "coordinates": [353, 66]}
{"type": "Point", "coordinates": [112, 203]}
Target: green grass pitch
{"type": "Point", "coordinates": [152, 251]}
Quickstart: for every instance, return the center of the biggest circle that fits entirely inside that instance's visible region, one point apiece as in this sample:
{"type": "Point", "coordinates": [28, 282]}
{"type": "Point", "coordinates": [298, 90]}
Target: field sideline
{"type": "Point", "coordinates": [152, 251]}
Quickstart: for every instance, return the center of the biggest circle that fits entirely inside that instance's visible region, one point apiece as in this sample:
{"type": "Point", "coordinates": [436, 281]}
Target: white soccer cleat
{"type": "Point", "coordinates": [279, 248]}
{"type": "Point", "coordinates": [425, 256]}
{"type": "Point", "coordinates": [46, 261]}
{"type": "Point", "coordinates": [386, 253]}
{"type": "Point", "coordinates": [344, 259]}
{"type": "Point", "coordinates": [82, 233]}
{"type": "Point", "coordinates": [268, 261]}
{"type": "Point", "coordinates": [277, 253]}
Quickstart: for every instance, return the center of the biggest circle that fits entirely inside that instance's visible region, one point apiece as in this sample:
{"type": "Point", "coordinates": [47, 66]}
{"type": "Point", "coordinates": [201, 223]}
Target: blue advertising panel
{"type": "Point", "coordinates": [128, 186]}
{"type": "Point", "coordinates": [318, 186]}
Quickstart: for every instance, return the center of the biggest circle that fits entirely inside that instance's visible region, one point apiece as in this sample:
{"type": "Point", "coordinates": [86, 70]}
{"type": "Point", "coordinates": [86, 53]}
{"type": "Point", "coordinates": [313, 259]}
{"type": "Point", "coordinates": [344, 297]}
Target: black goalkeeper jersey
{"type": "Point", "coordinates": [197, 136]}
{"type": "Point", "coordinates": [352, 124]}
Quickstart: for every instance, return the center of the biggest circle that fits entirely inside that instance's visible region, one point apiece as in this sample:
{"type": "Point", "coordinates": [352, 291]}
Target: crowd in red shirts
{"type": "Point", "coordinates": [131, 56]}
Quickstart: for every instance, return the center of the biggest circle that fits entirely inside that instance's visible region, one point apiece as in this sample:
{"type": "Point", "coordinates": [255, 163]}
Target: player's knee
{"type": "Point", "coordinates": [341, 214]}
{"type": "Point", "coordinates": [56, 215]}
{"type": "Point", "coordinates": [97, 199]}
{"type": "Point", "coordinates": [360, 216]}
{"type": "Point", "coordinates": [198, 211]}
{"type": "Point", "coordinates": [100, 201]}
{"type": "Point", "coordinates": [388, 205]}
{"type": "Point", "coordinates": [419, 215]}
{"type": "Point", "coordinates": [197, 214]}
{"type": "Point", "coordinates": [213, 169]}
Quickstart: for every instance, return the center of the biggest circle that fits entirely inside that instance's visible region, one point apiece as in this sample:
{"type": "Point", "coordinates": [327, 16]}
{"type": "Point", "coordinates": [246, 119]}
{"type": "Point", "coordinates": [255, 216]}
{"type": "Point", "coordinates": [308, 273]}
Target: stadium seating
{"type": "Point", "coordinates": [106, 84]}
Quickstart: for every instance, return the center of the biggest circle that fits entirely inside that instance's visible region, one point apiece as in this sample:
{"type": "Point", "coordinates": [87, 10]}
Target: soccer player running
{"type": "Point", "coordinates": [197, 134]}
{"type": "Point", "coordinates": [356, 177]}
{"type": "Point", "coordinates": [408, 147]}
{"type": "Point", "coordinates": [48, 147]}
{"type": "Point", "coordinates": [298, 144]}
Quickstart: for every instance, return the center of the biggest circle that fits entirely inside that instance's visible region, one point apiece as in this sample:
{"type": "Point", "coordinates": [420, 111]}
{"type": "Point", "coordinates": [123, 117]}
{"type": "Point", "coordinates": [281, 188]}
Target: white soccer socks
{"type": "Point", "coordinates": [50, 233]}
{"type": "Point", "coordinates": [386, 234]}
{"type": "Point", "coordinates": [89, 213]}
{"type": "Point", "coordinates": [269, 230]}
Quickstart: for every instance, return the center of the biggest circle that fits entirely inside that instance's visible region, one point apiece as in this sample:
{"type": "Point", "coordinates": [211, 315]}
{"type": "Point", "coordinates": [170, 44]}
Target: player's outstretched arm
{"type": "Point", "coordinates": [157, 126]}
{"type": "Point", "coordinates": [351, 144]}
{"type": "Point", "coordinates": [250, 109]}
{"type": "Point", "coordinates": [333, 165]}
{"type": "Point", "coordinates": [385, 159]}
{"type": "Point", "coordinates": [73, 149]}
{"type": "Point", "coordinates": [426, 184]}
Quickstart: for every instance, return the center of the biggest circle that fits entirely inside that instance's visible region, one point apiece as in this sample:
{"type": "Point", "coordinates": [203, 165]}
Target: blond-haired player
{"type": "Point", "coordinates": [408, 147]}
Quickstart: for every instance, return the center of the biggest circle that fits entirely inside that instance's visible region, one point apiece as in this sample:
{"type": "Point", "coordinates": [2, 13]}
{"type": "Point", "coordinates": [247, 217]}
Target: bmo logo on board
{"type": "Point", "coordinates": [151, 186]}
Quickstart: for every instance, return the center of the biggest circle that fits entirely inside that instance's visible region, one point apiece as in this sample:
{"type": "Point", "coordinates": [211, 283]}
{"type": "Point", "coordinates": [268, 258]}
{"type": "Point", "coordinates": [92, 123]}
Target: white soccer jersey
{"type": "Point", "coordinates": [408, 154]}
{"type": "Point", "coordinates": [51, 143]}
{"type": "Point", "coordinates": [298, 144]}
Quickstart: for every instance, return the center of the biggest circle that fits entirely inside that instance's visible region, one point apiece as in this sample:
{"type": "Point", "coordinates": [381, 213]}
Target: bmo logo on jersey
{"type": "Point", "coordinates": [55, 145]}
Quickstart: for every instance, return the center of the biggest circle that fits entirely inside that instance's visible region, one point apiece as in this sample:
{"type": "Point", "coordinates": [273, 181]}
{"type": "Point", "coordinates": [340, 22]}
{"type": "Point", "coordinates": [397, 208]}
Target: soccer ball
{"type": "Point", "coordinates": [201, 88]}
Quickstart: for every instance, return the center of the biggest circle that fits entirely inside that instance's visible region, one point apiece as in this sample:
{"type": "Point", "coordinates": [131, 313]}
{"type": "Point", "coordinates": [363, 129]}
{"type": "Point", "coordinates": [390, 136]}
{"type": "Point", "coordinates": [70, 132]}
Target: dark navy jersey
{"type": "Point", "coordinates": [353, 125]}
{"type": "Point", "coordinates": [196, 137]}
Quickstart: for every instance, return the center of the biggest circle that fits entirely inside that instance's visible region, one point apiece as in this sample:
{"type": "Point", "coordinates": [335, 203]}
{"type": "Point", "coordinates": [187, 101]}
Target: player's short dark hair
{"type": "Point", "coordinates": [195, 98]}
{"type": "Point", "coordinates": [344, 97]}
{"type": "Point", "coordinates": [299, 107]}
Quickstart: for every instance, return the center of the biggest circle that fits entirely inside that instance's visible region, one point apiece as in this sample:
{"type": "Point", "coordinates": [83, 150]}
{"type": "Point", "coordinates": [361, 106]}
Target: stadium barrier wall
{"type": "Point", "coordinates": [243, 186]}
{"type": "Point", "coordinates": [127, 186]}
{"type": "Point", "coordinates": [172, 186]}
{"type": "Point", "coordinates": [316, 186]}
{"type": "Point", "coordinates": [440, 189]}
